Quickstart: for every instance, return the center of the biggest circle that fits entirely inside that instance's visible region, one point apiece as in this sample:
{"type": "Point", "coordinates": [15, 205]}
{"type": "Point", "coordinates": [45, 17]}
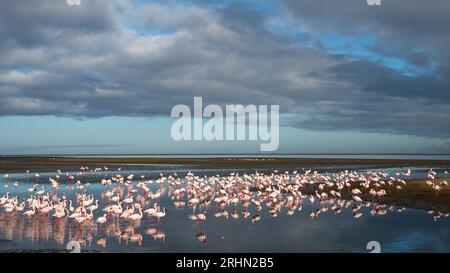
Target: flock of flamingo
{"type": "Point", "coordinates": [47, 208]}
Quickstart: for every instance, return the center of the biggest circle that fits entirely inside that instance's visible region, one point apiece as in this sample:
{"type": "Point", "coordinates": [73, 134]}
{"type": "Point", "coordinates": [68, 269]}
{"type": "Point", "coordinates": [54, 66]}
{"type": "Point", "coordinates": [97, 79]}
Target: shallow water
{"type": "Point", "coordinates": [411, 230]}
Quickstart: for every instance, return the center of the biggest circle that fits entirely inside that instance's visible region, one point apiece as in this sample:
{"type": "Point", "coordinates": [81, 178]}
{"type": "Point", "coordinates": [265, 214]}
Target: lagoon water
{"type": "Point", "coordinates": [410, 230]}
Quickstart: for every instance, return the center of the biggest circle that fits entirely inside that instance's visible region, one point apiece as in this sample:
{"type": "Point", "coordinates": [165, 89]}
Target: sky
{"type": "Point", "coordinates": [103, 77]}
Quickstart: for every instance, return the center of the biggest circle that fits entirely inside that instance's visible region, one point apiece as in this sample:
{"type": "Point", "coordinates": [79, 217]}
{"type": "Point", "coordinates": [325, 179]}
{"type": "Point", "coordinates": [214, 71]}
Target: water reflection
{"type": "Point", "coordinates": [117, 212]}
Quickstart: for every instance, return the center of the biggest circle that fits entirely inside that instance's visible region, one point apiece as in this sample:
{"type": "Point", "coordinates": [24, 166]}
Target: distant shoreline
{"type": "Point", "coordinates": [52, 163]}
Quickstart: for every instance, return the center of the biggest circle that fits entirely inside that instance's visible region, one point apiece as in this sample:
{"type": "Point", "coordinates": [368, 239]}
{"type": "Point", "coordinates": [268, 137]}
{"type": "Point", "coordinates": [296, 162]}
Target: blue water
{"type": "Point", "coordinates": [412, 230]}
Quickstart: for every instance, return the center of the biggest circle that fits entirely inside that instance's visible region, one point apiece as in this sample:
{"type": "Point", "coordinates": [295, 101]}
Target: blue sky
{"type": "Point", "coordinates": [361, 80]}
{"type": "Point", "coordinates": [125, 135]}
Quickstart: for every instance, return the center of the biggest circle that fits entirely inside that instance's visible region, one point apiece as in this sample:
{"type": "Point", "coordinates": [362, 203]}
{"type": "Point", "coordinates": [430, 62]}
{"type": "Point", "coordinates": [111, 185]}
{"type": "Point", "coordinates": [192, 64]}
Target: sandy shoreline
{"type": "Point", "coordinates": [41, 164]}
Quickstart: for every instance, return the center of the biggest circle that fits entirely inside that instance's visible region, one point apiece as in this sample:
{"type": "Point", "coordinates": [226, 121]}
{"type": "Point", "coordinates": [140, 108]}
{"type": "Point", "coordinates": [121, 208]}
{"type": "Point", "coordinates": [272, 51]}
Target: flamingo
{"type": "Point", "coordinates": [59, 214]}
{"type": "Point", "coordinates": [20, 207]}
{"type": "Point", "coordinates": [80, 219]}
{"type": "Point", "coordinates": [47, 209]}
{"type": "Point", "coordinates": [4, 198]}
{"type": "Point", "coordinates": [152, 211]}
{"type": "Point", "coordinates": [357, 198]}
{"type": "Point", "coordinates": [93, 207]}
{"type": "Point", "coordinates": [76, 215]}
{"type": "Point", "coordinates": [41, 192]}
{"type": "Point", "coordinates": [101, 219]}
{"type": "Point", "coordinates": [127, 212]}
{"type": "Point", "coordinates": [161, 214]}
{"type": "Point", "coordinates": [9, 207]}
{"type": "Point", "coordinates": [30, 212]}
{"type": "Point", "coordinates": [136, 216]}
{"type": "Point", "coordinates": [128, 200]}
{"type": "Point", "coordinates": [201, 217]}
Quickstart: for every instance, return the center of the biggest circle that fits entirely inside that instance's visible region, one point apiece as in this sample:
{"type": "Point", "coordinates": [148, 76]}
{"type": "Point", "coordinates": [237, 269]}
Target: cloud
{"type": "Point", "coordinates": [141, 59]}
{"type": "Point", "coordinates": [403, 27]}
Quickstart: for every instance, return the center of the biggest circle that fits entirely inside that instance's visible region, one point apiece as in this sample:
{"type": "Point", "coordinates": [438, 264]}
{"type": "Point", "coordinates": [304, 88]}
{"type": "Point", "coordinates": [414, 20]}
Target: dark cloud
{"type": "Point", "coordinates": [33, 23]}
{"type": "Point", "coordinates": [403, 26]}
{"type": "Point", "coordinates": [415, 18]}
{"type": "Point", "coordinates": [372, 77]}
{"type": "Point", "coordinates": [80, 62]}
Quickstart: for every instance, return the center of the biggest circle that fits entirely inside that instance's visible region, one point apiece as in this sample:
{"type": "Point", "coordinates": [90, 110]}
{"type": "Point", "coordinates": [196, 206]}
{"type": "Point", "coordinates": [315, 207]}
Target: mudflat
{"type": "Point", "coordinates": [40, 163]}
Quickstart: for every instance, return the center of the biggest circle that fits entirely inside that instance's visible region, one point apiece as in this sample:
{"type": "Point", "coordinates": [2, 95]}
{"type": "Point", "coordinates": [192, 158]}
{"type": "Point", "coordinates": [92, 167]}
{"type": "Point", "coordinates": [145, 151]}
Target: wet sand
{"type": "Point", "coordinates": [43, 164]}
{"type": "Point", "coordinates": [417, 194]}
